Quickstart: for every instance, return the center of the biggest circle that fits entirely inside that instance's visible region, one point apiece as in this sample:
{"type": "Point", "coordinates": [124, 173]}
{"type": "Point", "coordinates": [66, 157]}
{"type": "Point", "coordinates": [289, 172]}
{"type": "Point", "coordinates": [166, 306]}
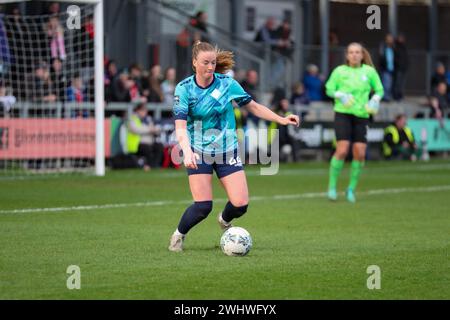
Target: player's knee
{"type": "Point", "coordinates": [359, 155]}
{"type": "Point", "coordinates": [203, 208]}
{"type": "Point", "coordinates": [239, 202]}
{"type": "Point", "coordinates": [341, 154]}
{"type": "Point", "coordinates": [240, 208]}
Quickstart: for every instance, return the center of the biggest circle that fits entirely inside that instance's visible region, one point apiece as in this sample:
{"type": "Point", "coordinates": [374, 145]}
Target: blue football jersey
{"type": "Point", "coordinates": [209, 112]}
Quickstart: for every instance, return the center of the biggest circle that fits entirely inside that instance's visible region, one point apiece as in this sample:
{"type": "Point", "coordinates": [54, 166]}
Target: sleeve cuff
{"type": "Point", "coordinates": [180, 116]}
{"type": "Point", "coordinates": [244, 101]}
{"type": "Point", "coordinates": [376, 97]}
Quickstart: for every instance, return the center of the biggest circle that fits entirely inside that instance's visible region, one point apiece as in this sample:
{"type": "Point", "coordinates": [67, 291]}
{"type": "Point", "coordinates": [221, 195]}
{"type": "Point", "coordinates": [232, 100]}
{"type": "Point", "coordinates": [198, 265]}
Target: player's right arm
{"type": "Point", "coordinates": [332, 90]}
{"type": "Point", "coordinates": [190, 157]}
{"type": "Point", "coordinates": [180, 112]}
{"type": "Point", "coordinates": [332, 84]}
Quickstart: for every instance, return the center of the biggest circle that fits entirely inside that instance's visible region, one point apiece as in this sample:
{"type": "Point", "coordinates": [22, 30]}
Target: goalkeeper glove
{"type": "Point", "coordinates": [346, 98]}
{"type": "Point", "coordinates": [373, 105]}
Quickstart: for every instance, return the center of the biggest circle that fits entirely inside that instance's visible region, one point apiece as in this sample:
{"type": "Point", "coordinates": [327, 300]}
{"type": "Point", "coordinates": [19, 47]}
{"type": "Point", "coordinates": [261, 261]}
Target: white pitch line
{"type": "Point", "coordinates": [250, 171]}
{"type": "Point", "coordinates": [308, 195]}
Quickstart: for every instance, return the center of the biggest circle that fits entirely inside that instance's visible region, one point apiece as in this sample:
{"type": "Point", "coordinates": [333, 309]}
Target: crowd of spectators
{"type": "Point", "coordinates": [34, 59]}
{"type": "Point", "coordinates": [46, 76]}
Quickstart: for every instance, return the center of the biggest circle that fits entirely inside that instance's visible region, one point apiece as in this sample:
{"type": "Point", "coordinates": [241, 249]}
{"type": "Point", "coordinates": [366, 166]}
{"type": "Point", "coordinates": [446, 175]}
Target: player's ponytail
{"type": "Point", "coordinates": [367, 59]}
{"type": "Point", "coordinates": [224, 59]}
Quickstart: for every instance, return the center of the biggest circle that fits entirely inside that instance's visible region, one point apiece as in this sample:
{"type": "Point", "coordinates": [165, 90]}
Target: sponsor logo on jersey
{"type": "Point", "coordinates": [216, 94]}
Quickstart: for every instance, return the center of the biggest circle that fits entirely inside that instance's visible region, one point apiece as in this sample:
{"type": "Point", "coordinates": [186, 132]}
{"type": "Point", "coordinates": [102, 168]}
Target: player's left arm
{"type": "Point", "coordinates": [376, 84]}
{"type": "Point", "coordinates": [242, 98]}
{"type": "Point", "coordinates": [265, 113]}
{"type": "Point", "coordinates": [373, 105]}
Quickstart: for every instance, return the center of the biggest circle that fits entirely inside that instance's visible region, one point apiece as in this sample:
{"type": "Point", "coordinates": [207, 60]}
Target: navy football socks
{"type": "Point", "coordinates": [231, 212]}
{"type": "Point", "coordinates": [194, 214]}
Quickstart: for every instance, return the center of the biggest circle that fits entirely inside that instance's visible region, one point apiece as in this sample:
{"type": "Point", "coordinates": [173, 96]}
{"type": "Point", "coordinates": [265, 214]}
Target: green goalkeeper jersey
{"type": "Point", "coordinates": [359, 82]}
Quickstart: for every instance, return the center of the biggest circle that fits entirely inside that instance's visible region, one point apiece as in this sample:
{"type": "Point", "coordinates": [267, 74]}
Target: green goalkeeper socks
{"type": "Point", "coordinates": [356, 168]}
{"type": "Point", "coordinates": [335, 170]}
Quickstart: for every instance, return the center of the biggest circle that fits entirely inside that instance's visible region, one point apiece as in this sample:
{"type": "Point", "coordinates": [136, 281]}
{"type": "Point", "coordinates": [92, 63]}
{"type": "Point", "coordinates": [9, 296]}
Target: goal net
{"type": "Point", "coordinates": [50, 94]}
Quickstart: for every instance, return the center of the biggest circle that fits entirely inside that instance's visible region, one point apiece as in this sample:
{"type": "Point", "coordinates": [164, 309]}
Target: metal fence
{"type": "Point", "coordinates": [316, 111]}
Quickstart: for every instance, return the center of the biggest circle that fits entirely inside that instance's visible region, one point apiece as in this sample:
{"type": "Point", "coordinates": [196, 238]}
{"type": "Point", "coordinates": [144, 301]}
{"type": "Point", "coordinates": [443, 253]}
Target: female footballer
{"type": "Point", "coordinates": [206, 132]}
{"type": "Point", "coordinates": [350, 85]}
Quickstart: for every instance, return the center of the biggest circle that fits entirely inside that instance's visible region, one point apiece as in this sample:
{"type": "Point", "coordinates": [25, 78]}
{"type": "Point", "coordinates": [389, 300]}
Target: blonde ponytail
{"type": "Point", "coordinates": [367, 59]}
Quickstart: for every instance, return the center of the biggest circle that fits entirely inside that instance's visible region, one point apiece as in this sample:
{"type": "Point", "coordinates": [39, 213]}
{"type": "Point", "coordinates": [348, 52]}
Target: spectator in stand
{"type": "Point", "coordinates": [119, 88]}
{"type": "Point", "coordinates": [401, 64]}
{"type": "Point", "coordinates": [287, 145]}
{"type": "Point", "coordinates": [269, 36]}
{"type": "Point", "coordinates": [53, 8]}
{"type": "Point", "coordinates": [110, 76]}
{"type": "Point", "coordinates": [183, 44]}
{"type": "Point", "coordinates": [387, 66]}
{"type": "Point", "coordinates": [39, 85]}
{"type": "Point", "coordinates": [58, 78]}
{"type": "Point", "coordinates": [76, 92]}
{"type": "Point", "coordinates": [135, 74]}
{"type": "Point", "coordinates": [20, 52]}
{"type": "Point", "coordinates": [268, 33]}
{"type": "Point", "coordinates": [438, 101]}
{"type": "Point", "coordinates": [125, 89]}
{"type": "Point", "coordinates": [168, 85]}
{"type": "Point", "coordinates": [313, 83]}
{"type": "Point", "coordinates": [335, 54]}
{"type": "Point", "coordinates": [134, 92]}
{"type": "Point", "coordinates": [6, 102]}
{"type": "Point", "coordinates": [154, 84]}
{"type": "Point", "coordinates": [286, 44]}
{"type": "Point", "coordinates": [5, 52]}
{"type": "Point", "coordinates": [110, 72]}
{"type": "Point", "coordinates": [83, 41]}
{"type": "Point", "coordinates": [299, 96]}
{"type": "Point", "coordinates": [447, 75]}
{"type": "Point", "coordinates": [278, 94]}
{"type": "Point", "coordinates": [88, 27]}
{"type": "Point", "coordinates": [438, 76]}
{"type": "Point", "coordinates": [398, 142]}
{"type": "Point", "coordinates": [186, 37]}
{"type": "Point", "coordinates": [55, 33]}
{"type": "Point", "coordinates": [200, 23]}
{"type": "Point", "coordinates": [250, 85]}
{"type": "Point", "coordinates": [239, 75]}
{"type": "Point", "coordinates": [141, 138]}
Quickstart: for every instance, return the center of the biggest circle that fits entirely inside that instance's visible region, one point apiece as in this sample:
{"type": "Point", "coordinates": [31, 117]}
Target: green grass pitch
{"type": "Point", "coordinates": [117, 228]}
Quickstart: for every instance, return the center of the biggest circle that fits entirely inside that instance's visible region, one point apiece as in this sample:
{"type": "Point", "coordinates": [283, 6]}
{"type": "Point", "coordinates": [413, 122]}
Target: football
{"type": "Point", "coordinates": [236, 241]}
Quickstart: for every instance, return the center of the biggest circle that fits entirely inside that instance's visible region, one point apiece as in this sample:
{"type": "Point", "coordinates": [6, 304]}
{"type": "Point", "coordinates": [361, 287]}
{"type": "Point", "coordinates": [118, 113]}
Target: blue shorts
{"type": "Point", "coordinates": [223, 164]}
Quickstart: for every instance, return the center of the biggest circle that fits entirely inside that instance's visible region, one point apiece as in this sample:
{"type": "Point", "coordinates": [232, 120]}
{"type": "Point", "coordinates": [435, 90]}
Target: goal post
{"type": "Point", "coordinates": [46, 124]}
{"type": "Point", "coordinates": [99, 90]}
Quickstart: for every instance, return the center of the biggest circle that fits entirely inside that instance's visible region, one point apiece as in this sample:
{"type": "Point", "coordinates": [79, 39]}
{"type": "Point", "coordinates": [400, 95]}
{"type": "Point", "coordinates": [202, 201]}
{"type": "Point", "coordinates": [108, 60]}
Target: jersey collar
{"type": "Point", "coordinates": [195, 81]}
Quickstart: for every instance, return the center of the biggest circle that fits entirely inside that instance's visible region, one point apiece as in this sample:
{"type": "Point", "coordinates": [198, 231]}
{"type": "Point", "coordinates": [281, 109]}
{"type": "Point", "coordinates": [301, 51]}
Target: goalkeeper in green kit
{"type": "Point", "coordinates": [351, 85]}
